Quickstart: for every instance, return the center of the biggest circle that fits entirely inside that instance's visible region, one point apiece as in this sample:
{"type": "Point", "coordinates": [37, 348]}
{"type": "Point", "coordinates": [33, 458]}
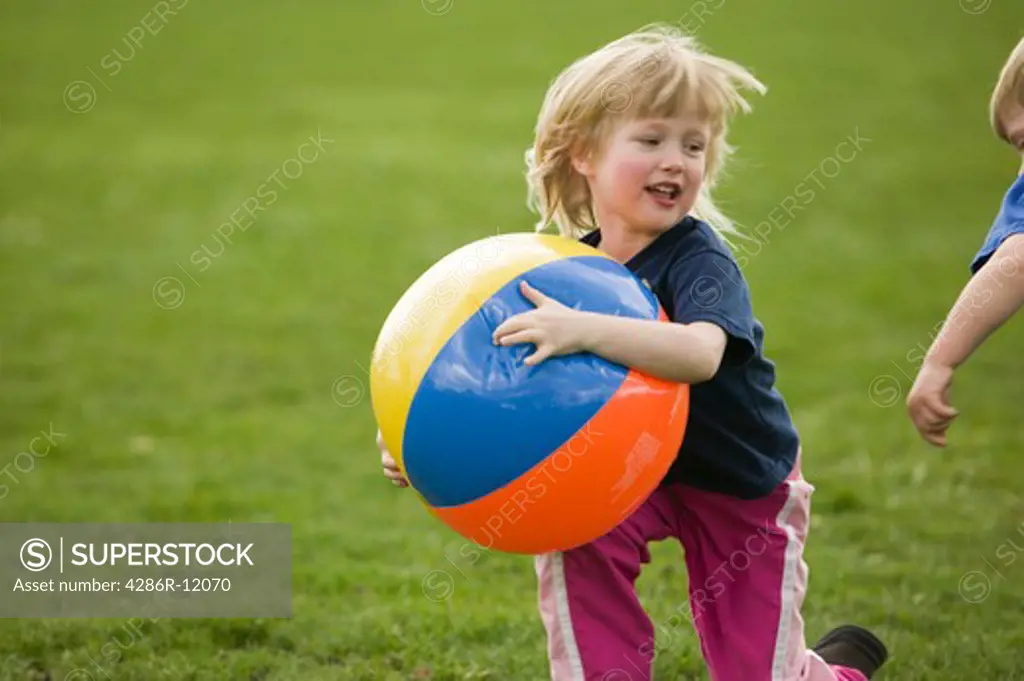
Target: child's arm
{"type": "Point", "coordinates": [682, 353]}
{"type": "Point", "coordinates": [984, 305]}
{"type": "Point", "coordinates": [988, 300]}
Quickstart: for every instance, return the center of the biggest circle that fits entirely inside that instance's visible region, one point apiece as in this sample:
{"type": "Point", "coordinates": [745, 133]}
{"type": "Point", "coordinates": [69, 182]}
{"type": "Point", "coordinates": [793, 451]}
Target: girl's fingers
{"type": "Point", "coordinates": [532, 294]}
{"type": "Point", "coordinates": [510, 326]}
{"type": "Point", "coordinates": [524, 336]}
{"type": "Point", "coordinates": [543, 353]}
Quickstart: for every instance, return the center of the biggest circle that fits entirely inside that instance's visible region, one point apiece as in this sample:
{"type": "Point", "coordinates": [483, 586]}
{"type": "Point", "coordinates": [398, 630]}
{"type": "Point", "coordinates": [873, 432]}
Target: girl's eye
{"type": "Point", "coordinates": [695, 147]}
{"type": "Point", "coordinates": [649, 141]}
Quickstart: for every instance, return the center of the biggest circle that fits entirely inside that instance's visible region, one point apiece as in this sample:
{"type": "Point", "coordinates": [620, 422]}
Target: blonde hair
{"type": "Point", "coordinates": [655, 71]}
{"type": "Point", "coordinates": [1009, 88]}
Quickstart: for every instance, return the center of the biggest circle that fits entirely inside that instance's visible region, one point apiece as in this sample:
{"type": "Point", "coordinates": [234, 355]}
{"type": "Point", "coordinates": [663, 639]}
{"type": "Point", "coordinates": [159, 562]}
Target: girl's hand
{"type": "Point", "coordinates": [391, 470]}
{"type": "Point", "coordinates": [554, 328]}
{"type": "Point", "coordinates": [928, 402]}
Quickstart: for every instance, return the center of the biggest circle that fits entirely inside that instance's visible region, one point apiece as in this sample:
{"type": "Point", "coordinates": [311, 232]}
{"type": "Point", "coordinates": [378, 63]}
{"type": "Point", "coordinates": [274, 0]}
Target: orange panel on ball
{"type": "Point", "coordinates": [592, 482]}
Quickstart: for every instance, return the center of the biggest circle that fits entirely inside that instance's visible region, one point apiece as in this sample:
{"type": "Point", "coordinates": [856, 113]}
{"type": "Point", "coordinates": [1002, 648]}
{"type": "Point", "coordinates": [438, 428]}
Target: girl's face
{"type": "Point", "coordinates": [648, 174]}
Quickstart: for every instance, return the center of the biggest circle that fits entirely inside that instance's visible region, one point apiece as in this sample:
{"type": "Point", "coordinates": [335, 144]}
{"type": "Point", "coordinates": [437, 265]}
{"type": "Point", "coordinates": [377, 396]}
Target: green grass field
{"type": "Point", "coordinates": [234, 391]}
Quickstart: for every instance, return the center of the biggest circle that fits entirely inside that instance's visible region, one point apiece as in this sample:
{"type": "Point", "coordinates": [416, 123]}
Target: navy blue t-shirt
{"type": "Point", "coordinates": [740, 439]}
{"type": "Point", "coordinates": [1009, 221]}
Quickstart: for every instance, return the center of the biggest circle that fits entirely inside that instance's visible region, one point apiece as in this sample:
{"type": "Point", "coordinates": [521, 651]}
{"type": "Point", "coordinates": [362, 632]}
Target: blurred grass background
{"type": "Point", "coordinates": [129, 132]}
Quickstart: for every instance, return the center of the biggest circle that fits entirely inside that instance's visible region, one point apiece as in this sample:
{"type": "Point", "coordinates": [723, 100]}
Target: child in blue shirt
{"type": "Point", "coordinates": [629, 143]}
{"type": "Point", "coordinates": [995, 291]}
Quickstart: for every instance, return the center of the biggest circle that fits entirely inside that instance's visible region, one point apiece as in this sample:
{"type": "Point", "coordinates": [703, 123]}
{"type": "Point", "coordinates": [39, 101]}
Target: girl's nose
{"type": "Point", "coordinates": [673, 160]}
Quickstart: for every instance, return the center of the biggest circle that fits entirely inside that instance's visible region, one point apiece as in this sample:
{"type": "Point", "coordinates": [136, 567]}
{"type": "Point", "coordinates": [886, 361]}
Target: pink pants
{"type": "Point", "coordinates": [747, 582]}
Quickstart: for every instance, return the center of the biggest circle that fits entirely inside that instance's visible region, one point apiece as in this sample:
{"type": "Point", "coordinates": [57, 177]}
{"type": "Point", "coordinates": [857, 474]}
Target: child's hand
{"type": "Point", "coordinates": [928, 402]}
{"type": "Point", "coordinates": [391, 470]}
{"type": "Point", "coordinates": [554, 328]}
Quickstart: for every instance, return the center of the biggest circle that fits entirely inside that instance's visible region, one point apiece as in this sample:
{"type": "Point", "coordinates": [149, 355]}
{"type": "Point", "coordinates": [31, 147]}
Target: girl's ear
{"type": "Point", "coordinates": [582, 163]}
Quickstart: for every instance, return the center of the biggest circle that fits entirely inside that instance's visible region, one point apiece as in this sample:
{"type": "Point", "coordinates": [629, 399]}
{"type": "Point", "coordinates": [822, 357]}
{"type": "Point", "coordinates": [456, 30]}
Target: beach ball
{"type": "Point", "coordinates": [517, 458]}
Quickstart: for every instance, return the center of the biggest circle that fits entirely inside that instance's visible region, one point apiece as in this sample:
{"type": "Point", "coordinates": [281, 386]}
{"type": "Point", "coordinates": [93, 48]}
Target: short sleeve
{"type": "Point", "coordinates": [709, 287]}
{"type": "Point", "coordinates": [1009, 221]}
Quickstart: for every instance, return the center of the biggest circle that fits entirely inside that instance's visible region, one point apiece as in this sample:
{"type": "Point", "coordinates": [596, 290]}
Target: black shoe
{"type": "Point", "coordinates": [854, 647]}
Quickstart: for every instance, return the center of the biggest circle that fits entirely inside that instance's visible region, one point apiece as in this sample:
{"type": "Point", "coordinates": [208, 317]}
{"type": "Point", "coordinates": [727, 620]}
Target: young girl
{"type": "Point", "coordinates": [628, 145]}
{"type": "Point", "coordinates": [996, 289]}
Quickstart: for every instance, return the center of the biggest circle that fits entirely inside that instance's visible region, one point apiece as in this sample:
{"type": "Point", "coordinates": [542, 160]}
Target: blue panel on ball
{"type": "Point", "coordinates": [481, 418]}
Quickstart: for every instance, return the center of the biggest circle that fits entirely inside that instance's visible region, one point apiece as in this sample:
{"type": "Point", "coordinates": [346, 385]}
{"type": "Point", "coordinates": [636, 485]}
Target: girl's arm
{"type": "Point", "coordinates": [681, 353]}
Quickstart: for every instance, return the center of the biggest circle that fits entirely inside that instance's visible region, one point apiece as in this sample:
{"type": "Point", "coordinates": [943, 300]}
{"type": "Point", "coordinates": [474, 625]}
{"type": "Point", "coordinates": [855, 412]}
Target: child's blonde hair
{"type": "Point", "coordinates": [655, 71]}
{"type": "Point", "coordinates": [1009, 88]}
